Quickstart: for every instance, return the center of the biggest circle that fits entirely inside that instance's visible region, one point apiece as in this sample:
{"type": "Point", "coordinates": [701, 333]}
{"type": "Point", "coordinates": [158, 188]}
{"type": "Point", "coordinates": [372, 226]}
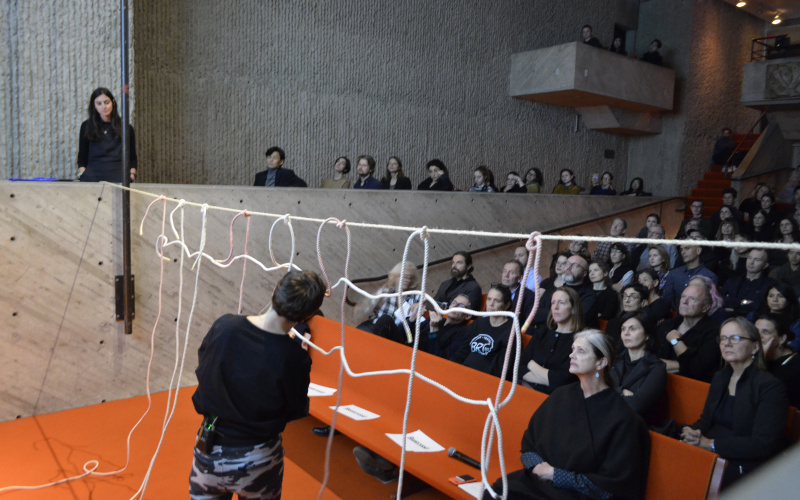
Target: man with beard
{"type": "Point", "coordinates": [461, 283]}
{"type": "Point", "coordinates": [574, 277]}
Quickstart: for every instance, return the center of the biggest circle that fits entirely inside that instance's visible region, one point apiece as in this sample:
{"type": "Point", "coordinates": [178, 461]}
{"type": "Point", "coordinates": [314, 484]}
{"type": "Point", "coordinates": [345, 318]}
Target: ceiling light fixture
{"type": "Point", "coordinates": [741, 4]}
{"type": "Point", "coordinates": [777, 19]}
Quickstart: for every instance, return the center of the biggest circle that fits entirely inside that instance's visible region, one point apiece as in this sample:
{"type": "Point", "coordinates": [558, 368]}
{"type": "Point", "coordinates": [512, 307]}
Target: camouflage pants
{"type": "Point", "coordinates": [252, 472]}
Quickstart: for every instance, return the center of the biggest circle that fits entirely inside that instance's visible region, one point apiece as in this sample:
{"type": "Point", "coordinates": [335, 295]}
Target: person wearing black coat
{"type": "Point", "coordinates": [746, 409]}
{"type": "Point", "coordinates": [275, 175]}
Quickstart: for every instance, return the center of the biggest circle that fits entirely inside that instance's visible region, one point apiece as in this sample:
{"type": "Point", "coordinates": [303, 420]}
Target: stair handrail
{"type": "Point", "coordinates": [727, 171]}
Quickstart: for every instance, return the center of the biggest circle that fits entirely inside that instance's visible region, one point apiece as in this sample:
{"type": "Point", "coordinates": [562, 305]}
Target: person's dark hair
{"type": "Point", "coordinates": [768, 195]}
{"type": "Point", "coordinates": [795, 229]}
{"type": "Point", "coordinates": [577, 310]}
{"type": "Point", "coordinates": [519, 265]}
{"type": "Point", "coordinates": [484, 170]}
{"type": "Point", "coordinates": [607, 173]}
{"type": "Point", "coordinates": [626, 255]}
{"type": "Point", "coordinates": [698, 200]}
{"type": "Point", "coordinates": [370, 162]}
{"type": "Point", "coordinates": [298, 295]}
{"type": "Point", "coordinates": [648, 325]}
{"type": "Point", "coordinates": [93, 128]}
{"type": "Point", "coordinates": [657, 42]}
{"type": "Point", "coordinates": [639, 288]}
{"type": "Point", "coordinates": [400, 173]}
{"type": "Point", "coordinates": [603, 267]}
{"type": "Point", "coordinates": [504, 291]}
{"type": "Point", "coordinates": [346, 163]}
{"type": "Point", "coordinates": [538, 173]}
{"type": "Point", "coordinates": [466, 255]}
{"type": "Point", "coordinates": [749, 330]}
{"type": "Point", "coordinates": [554, 260]}
{"type": "Point", "coordinates": [782, 326]}
{"type": "Point", "coordinates": [792, 311]}
{"type": "Point", "coordinates": [562, 172]}
{"type": "Point", "coordinates": [279, 150]}
{"type": "Point", "coordinates": [732, 191]}
{"type": "Point", "coordinates": [602, 347]}
{"type": "Point", "coordinates": [624, 222]}
{"type": "Point", "coordinates": [437, 163]}
{"type": "Point", "coordinates": [587, 26]}
{"type": "Point", "coordinates": [658, 217]}
{"type": "Point", "coordinates": [641, 185]}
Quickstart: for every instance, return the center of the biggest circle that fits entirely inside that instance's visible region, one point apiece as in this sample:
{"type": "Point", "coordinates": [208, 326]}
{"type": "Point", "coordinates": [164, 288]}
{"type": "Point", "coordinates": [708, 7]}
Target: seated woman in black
{"type": "Point", "coordinates": [488, 336]}
{"type": "Point", "coordinates": [438, 180]}
{"type": "Point", "coordinates": [544, 364]}
{"type": "Point", "coordinates": [621, 273]}
{"type": "Point", "coordinates": [639, 375]}
{"type": "Point", "coordinates": [746, 408]}
{"type": "Point", "coordinates": [395, 178]}
{"type": "Point", "coordinates": [636, 188]}
{"type": "Point", "coordinates": [781, 360]}
{"type": "Point", "coordinates": [584, 441]}
{"type": "Point", "coordinates": [606, 298]}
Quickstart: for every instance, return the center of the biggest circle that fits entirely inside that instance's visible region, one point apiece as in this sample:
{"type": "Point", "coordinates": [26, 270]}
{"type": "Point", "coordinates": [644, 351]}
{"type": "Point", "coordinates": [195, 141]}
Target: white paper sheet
{"type": "Point", "coordinates": [320, 390]}
{"type": "Point", "coordinates": [475, 489]}
{"type": "Point", "coordinates": [356, 413]}
{"type": "Point", "coordinates": [416, 441]}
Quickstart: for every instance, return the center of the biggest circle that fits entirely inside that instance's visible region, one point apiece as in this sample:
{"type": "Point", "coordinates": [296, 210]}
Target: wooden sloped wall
{"type": "Point", "coordinates": [60, 345]}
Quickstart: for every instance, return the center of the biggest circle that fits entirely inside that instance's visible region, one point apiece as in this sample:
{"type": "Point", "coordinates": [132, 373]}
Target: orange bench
{"type": "Point", "coordinates": [452, 423]}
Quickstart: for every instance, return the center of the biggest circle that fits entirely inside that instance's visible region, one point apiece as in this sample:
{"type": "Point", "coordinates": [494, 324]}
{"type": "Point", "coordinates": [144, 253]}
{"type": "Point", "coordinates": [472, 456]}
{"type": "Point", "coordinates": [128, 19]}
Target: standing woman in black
{"type": "Point", "coordinates": [100, 141]}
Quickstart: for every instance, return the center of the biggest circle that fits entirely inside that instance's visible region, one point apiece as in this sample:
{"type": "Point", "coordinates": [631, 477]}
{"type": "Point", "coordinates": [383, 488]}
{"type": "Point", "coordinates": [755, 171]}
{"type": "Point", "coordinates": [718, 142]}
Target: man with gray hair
{"type": "Point", "coordinates": [687, 343]}
{"type": "Point", "coordinates": [602, 252]}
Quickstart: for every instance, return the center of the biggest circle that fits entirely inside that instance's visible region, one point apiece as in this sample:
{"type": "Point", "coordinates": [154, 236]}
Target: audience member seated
{"type": "Point", "coordinates": [758, 230]}
{"type": "Point", "coordinates": [653, 55]}
{"type": "Point", "coordinates": [641, 252]}
{"type": "Point", "coordinates": [566, 184]}
{"type": "Point", "coordinates": [618, 47]}
{"type": "Point", "coordinates": [605, 188]}
{"type": "Point", "coordinates": [341, 167]}
{"type": "Point", "coordinates": [787, 232]}
{"type": "Point", "coordinates": [583, 441]}
{"type": "Point", "coordinates": [717, 312]}
{"type": "Point", "coordinates": [636, 188]}
{"type": "Point", "coordinates": [723, 148]}
{"type": "Point", "coordinates": [781, 300]}
{"type": "Point", "coordinates": [589, 38]}
{"type": "Point", "coordinates": [481, 177]}
{"type": "Point", "coordinates": [275, 175]}
{"type": "Point", "coordinates": [557, 268]}
{"type": "Point", "coordinates": [387, 306]}
{"type": "Point", "coordinates": [789, 272]}
{"type": "Point", "coordinates": [579, 248]}
{"type": "Point", "coordinates": [729, 202]}
{"type": "Point", "coordinates": [638, 374]}
{"type": "Point", "coordinates": [750, 206]}
{"type": "Point", "coordinates": [487, 337]}
{"type": "Point", "coordinates": [652, 220]}
{"type": "Point", "coordinates": [727, 231]}
{"type": "Point", "coordinates": [574, 277]}
{"type": "Point", "coordinates": [603, 249]}
{"type": "Point", "coordinates": [514, 184]}
{"type": "Point", "coordinates": [742, 293]}
{"type": "Point", "coordinates": [658, 260]}
{"type": "Point", "coordinates": [703, 224]}
{"type": "Point", "coordinates": [365, 167]}
{"type": "Point", "coordinates": [395, 178]}
{"type": "Point", "coordinates": [782, 361]}
{"type": "Point", "coordinates": [771, 214]}
{"type": "Point", "coordinates": [745, 412]}
{"type": "Point", "coordinates": [595, 180]}
{"type": "Point", "coordinates": [461, 282]}
{"type": "Point", "coordinates": [679, 277]}
{"type": "Point", "coordinates": [633, 300]}
{"type": "Point", "coordinates": [621, 272]}
{"type": "Point", "coordinates": [656, 307]}
{"type": "Point", "coordinates": [544, 364]}
{"type": "Point", "coordinates": [687, 342]}
{"type": "Point", "coordinates": [448, 336]}
{"type": "Point", "coordinates": [438, 180]}
{"type": "Point", "coordinates": [511, 277]}
{"type": "Point", "coordinates": [521, 256]}
{"type": "Point", "coordinates": [606, 297]}
{"type": "Point", "coordinates": [735, 264]}
{"type": "Point", "coordinates": [533, 181]}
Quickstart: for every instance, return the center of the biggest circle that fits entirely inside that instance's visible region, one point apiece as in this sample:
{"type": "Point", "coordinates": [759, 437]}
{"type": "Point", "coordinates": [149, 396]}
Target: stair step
{"type": "Point", "coordinates": [707, 193]}
{"type": "Point", "coordinates": [713, 184]}
{"type": "Point", "coordinates": [714, 176]}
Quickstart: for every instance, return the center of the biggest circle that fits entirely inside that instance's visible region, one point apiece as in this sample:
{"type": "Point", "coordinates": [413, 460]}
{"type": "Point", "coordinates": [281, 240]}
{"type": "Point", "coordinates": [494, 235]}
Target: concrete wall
{"type": "Point", "coordinates": [60, 345]}
{"type": "Point", "coordinates": [419, 79]}
{"type": "Point", "coordinates": [707, 43]}
{"type": "Point", "coordinates": [52, 55]}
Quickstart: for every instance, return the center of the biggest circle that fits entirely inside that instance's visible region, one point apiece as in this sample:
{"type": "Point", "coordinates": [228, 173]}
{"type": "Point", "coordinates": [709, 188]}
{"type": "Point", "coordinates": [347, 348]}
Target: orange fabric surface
{"type": "Point", "coordinates": [685, 398]}
{"type": "Point", "coordinates": [50, 447]}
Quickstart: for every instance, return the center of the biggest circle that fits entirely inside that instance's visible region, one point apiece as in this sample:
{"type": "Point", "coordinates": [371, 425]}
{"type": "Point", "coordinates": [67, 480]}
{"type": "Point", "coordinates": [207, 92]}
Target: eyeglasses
{"type": "Point", "coordinates": [734, 339]}
{"type": "Point", "coordinates": [631, 296]}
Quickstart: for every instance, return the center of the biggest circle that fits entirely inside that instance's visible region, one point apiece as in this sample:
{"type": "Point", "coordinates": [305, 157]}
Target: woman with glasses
{"type": "Point", "coordinates": [746, 408]}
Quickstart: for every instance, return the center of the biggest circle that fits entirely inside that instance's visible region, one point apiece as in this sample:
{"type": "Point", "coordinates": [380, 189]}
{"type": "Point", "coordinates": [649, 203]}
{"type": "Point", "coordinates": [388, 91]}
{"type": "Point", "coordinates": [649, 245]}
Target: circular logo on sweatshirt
{"type": "Point", "coordinates": [482, 344]}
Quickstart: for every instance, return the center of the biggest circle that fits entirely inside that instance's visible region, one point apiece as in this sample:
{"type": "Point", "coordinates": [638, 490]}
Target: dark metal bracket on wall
{"type": "Point", "coordinates": [120, 295]}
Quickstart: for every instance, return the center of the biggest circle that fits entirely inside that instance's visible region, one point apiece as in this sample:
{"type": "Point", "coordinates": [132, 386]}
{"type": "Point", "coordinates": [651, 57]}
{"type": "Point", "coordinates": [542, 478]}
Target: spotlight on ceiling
{"type": "Point", "coordinates": [741, 4]}
{"type": "Point", "coordinates": [777, 19]}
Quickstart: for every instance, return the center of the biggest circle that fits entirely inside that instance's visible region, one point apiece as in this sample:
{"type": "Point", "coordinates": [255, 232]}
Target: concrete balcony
{"type": "Point", "coordinates": [612, 93]}
{"type": "Point", "coordinates": [775, 85]}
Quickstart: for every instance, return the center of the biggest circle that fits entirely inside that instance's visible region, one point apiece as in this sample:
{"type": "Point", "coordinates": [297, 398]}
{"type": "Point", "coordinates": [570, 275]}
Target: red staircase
{"type": "Point", "coordinates": [709, 188]}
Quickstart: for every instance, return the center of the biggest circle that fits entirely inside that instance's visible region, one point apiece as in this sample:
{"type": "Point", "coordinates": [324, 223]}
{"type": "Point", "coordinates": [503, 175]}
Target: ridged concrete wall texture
{"type": "Point", "coordinates": [707, 43]}
{"type": "Point", "coordinates": [421, 79]}
{"type": "Point", "coordinates": [52, 55]}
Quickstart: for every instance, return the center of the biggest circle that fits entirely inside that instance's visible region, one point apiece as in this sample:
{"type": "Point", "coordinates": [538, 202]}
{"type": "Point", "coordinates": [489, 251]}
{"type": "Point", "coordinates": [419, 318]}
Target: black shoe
{"type": "Point", "coordinates": [374, 464]}
{"type": "Point", "coordinates": [324, 431]}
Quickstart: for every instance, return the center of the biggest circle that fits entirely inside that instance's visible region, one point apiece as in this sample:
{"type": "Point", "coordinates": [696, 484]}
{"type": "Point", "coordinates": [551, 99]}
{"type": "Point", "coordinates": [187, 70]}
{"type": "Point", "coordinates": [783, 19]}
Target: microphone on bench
{"type": "Point", "coordinates": [460, 456]}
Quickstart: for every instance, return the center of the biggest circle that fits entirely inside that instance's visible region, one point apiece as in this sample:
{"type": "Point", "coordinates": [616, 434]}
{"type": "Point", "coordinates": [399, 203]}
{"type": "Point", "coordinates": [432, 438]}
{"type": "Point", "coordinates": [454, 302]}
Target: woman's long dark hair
{"type": "Point", "coordinates": [94, 122]}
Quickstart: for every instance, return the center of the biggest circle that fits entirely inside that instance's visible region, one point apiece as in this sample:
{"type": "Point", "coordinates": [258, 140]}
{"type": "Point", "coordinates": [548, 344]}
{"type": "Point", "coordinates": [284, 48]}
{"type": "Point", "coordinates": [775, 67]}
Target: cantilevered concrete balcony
{"type": "Point", "coordinates": [774, 85]}
{"type": "Point", "coordinates": [612, 93]}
